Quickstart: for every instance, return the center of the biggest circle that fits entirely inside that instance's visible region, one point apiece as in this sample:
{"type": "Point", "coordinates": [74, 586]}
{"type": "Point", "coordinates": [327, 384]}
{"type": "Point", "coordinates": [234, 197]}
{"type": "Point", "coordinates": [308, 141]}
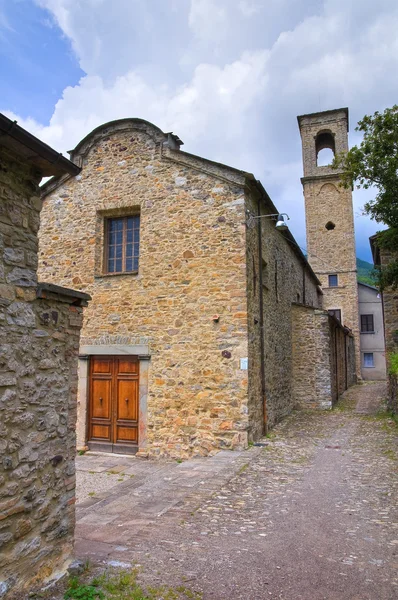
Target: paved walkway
{"type": "Point", "coordinates": [310, 516]}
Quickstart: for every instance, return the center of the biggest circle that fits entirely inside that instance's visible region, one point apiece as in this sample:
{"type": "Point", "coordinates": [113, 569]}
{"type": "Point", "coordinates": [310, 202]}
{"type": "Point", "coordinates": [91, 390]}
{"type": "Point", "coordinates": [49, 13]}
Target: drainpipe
{"type": "Point", "coordinates": [337, 369]}
{"type": "Point", "coordinates": [261, 303]}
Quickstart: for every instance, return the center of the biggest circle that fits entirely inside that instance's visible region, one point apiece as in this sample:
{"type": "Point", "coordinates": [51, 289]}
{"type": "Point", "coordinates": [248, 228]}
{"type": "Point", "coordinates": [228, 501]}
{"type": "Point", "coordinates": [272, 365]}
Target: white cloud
{"type": "Point", "coordinates": [248, 9]}
{"type": "Point", "coordinates": [228, 76]}
{"type": "Point", "coordinates": [196, 109]}
{"type": "Point", "coordinates": [208, 19]}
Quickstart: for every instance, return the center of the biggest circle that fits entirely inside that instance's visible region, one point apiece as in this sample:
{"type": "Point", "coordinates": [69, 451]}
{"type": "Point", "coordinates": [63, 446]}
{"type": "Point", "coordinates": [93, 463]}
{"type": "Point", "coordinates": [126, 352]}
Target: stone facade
{"type": "Point", "coordinates": [329, 217]}
{"type": "Point", "coordinates": [323, 358]}
{"type": "Point", "coordinates": [286, 279]}
{"type": "Point", "coordinates": [382, 258]}
{"type": "Point", "coordinates": [39, 341]}
{"type": "Point", "coordinates": [193, 307]}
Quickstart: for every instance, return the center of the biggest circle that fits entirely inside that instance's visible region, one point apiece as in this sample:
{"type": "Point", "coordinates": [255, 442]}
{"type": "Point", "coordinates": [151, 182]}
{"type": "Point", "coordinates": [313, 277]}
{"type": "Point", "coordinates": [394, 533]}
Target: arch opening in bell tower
{"type": "Point", "coordinates": [325, 148]}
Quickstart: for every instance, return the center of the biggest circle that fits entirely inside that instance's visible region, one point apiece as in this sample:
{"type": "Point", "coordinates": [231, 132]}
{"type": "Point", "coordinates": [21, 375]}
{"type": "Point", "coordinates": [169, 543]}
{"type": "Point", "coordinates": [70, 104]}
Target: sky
{"type": "Point", "coordinates": [228, 77]}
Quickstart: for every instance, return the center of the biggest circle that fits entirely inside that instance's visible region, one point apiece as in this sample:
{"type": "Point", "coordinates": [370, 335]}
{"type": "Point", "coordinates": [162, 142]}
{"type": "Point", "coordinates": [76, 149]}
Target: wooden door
{"type": "Point", "coordinates": [113, 405]}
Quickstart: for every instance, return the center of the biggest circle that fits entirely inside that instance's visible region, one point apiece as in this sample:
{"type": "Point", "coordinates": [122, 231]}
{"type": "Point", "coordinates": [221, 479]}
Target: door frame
{"type": "Point", "coordinates": [114, 446]}
{"type": "Point", "coordinates": [144, 357]}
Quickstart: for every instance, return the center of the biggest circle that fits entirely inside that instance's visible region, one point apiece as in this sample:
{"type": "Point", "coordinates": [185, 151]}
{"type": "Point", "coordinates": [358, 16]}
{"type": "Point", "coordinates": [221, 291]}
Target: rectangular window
{"type": "Point", "coordinates": [335, 312]}
{"type": "Point", "coordinates": [122, 244]}
{"type": "Point", "coordinates": [367, 325]}
{"type": "Point", "coordinates": [368, 360]}
{"type": "Point", "coordinates": [333, 281]}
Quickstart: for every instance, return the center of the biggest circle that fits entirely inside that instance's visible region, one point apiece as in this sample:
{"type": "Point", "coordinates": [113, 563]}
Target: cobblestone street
{"type": "Point", "coordinates": [308, 516]}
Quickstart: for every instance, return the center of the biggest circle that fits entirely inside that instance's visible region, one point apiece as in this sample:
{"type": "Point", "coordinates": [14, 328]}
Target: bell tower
{"type": "Point", "coordinates": [329, 217]}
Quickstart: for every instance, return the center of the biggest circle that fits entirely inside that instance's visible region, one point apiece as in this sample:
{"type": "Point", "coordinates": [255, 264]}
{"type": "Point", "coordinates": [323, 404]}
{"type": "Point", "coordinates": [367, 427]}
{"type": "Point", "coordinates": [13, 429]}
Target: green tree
{"type": "Point", "coordinates": [374, 164]}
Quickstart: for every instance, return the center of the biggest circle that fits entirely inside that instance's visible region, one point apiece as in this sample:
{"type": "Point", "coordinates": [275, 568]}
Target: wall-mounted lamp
{"type": "Point", "coordinates": [281, 224]}
{"type": "Point", "coordinates": [278, 217]}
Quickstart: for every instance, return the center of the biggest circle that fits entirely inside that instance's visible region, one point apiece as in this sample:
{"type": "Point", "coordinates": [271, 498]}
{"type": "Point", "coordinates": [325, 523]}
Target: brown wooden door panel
{"type": "Point", "coordinates": [101, 398]}
{"type": "Point", "coordinates": [127, 393]}
{"type": "Point", "coordinates": [127, 366]}
{"type": "Point", "coordinates": [102, 365]}
{"type": "Point", "coordinates": [114, 401]}
{"type": "Point", "coordinates": [127, 435]}
{"type": "Point", "coordinates": [101, 432]}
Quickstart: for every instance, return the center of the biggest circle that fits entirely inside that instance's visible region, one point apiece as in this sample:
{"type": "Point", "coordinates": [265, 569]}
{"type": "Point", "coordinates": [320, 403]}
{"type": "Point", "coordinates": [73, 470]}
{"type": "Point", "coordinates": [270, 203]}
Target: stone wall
{"type": "Point", "coordinates": [390, 313]}
{"type": "Point", "coordinates": [188, 300]}
{"type": "Point", "coordinates": [39, 339]}
{"type": "Point", "coordinates": [312, 374]}
{"type": "Point", "coordinates": [323, 358]}
{"type": "Point", "coordinates": [390, 308]}
{"type": "Point", "coordinates": [351, 361]}
{"type": "Point", "coordinates": [286, 279]}
{"type": "Point", "coordinates": [339, 343]}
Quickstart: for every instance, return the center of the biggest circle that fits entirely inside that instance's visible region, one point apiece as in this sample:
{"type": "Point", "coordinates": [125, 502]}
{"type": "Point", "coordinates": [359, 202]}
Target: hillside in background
{"type": "Point", "coordinates": [365, 270]}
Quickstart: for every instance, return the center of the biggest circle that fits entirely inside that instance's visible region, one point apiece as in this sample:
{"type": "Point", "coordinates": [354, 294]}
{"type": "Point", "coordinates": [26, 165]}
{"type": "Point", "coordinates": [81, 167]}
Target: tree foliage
{"type": "Point", "coordinates": [374, 164]}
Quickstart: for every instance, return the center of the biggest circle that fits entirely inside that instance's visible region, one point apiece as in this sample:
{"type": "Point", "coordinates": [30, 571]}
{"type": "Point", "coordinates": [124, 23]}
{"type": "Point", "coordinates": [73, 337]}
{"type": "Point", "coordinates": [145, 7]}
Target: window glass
{"type": "Point", "coordinates": [123, 244]}
{"type": "Point", "coordinates": [368, 360]}
{"type": "Point", "coordinates": [333, 281]}
{"type": "Point", "coordinates": [367, 324]}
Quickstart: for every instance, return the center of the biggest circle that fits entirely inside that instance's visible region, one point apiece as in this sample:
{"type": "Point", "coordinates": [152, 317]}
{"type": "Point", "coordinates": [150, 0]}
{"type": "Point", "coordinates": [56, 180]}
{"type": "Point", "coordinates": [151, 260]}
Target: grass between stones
{"type": "Point", "coordinates": [123, 585]}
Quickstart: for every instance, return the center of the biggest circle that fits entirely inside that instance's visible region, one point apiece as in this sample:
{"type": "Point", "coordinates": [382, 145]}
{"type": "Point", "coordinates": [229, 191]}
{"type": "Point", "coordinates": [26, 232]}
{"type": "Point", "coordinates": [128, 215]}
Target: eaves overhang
{"type": "Point", "coordinates": [286, 234]}
{"type": "Point", "coordinates": [33, 151]}
{"type": "Point", "coordinates": [375, 249]}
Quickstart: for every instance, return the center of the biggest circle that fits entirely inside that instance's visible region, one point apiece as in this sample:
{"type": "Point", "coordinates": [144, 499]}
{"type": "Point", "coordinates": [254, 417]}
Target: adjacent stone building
{"type": "Point", "coordinates": [187, 346]}
{"type": "Point", "coordinates": [39, 341]}
{"type": "Point", "coordinates": [323, 358]}
{"type": "Point", "coordinates": [330, 219]}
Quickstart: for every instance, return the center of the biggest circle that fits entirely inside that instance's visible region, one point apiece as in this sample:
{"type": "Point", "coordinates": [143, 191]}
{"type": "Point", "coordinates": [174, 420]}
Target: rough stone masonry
{"type": "Point", "coordinates": [39, 341]}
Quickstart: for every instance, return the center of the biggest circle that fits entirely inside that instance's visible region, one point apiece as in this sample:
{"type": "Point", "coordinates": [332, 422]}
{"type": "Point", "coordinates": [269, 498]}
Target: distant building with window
{"type": "Point", "coordinates": [373, 358]}
{"type": "Point", "coordinates": [204, 317]}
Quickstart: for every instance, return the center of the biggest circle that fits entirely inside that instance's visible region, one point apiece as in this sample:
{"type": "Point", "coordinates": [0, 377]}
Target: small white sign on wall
{"type": "Point", "coordinates": [244, 363]}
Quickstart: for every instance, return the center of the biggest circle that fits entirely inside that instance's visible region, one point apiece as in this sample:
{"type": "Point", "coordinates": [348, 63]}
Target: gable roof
{"type": "Point", "coordinates": [371, 287]}
{"type": "Point", "coordinates": [121, 124]}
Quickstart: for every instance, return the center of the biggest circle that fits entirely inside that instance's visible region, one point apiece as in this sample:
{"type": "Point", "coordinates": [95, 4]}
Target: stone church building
{"type": "Point", "coordinates": [204, 315]}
